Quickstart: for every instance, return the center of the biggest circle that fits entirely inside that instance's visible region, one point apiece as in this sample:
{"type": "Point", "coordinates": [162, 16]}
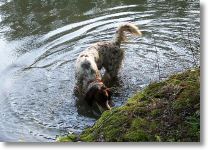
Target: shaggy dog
{"type": "Point", "coordinates": [102, 54]}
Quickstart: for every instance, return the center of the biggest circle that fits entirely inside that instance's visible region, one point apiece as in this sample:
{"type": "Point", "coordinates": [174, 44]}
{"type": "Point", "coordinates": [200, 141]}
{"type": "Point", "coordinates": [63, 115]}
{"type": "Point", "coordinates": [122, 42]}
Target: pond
{"type": "Point", "coordinates": [40, 41]}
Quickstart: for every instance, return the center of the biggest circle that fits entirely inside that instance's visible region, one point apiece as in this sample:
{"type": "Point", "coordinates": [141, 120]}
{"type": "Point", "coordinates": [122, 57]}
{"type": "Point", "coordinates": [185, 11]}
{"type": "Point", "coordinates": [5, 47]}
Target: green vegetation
{"type": "Point", "coordinates": [166, 111]}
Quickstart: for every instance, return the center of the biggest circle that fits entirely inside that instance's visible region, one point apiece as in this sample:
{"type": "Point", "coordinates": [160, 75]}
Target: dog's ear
{"type": "Point", "coordinates": [89, 97]}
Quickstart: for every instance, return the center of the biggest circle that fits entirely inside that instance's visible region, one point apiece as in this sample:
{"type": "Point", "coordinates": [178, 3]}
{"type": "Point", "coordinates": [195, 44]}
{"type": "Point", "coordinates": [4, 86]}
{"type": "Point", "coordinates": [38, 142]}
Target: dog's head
{"type": "Point", "coordinates": [99, 95]}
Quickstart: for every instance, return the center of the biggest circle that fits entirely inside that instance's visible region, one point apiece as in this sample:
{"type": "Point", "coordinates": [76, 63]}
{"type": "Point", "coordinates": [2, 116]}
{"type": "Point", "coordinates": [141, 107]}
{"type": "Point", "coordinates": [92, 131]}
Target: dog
{"type": "Point", "coordinates": [107, 55]}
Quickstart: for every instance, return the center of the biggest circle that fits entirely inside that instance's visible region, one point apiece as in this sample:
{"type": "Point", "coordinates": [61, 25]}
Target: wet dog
{"type": "Point", "coordinates": [107, 55]}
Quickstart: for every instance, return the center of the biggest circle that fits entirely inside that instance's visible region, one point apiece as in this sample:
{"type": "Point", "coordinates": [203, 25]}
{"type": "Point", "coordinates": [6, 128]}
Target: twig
{"type": "Point", "coordinates": [191, 48]}
{"type": "Point", "coordinates": [189, 45]}
{"type": "Point", "coordinates": [158, 63]}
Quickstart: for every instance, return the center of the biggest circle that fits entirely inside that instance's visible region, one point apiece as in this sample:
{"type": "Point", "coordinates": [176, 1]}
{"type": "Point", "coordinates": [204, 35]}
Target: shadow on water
{"type": "Point", "coordinates": [40, 41]}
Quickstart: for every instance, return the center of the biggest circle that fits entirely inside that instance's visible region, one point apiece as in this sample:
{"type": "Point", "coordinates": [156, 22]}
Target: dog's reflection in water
{"type": "Point", "coordinates": [84, 109]}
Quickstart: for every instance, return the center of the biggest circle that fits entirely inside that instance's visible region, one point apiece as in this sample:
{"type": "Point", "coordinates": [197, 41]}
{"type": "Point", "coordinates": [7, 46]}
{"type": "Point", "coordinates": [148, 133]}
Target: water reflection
{"type": "Point", "coordinates": [28, 17]}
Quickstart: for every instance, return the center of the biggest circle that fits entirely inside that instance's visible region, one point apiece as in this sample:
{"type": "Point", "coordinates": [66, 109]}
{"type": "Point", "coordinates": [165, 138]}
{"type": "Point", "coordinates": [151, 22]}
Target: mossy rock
{"type": "Point", "coordinates": [166, 111]}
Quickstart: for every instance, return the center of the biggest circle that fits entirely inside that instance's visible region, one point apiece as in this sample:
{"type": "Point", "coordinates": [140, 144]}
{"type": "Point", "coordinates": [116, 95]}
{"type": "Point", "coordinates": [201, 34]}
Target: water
{"type": "Point", "coordinates": [40, 41]}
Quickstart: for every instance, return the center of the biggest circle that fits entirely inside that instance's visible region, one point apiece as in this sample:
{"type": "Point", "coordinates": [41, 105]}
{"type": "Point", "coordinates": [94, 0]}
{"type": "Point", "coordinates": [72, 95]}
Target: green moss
{"type": "Point", "coordinates": [164, 111]}
{"type": "Point", "coordinates": [136, 97]}
{"type": "Point", "coordinates": [138, 123]}
{"type": "Point", "coordinates": [112, 134]}
{"type": "Point", "coordinates": [158, 139]}
{"type": "Point", "coordinates": [138, 136]}
{"type": "Point", "coordinates": [155, 112]}
{"type": "Point", "coordinates": [153, 125]}
{"type": "Point", "coordinates": [68, 138]}
{"type": "Point", "coordinates": [87, 137]}
{"type": "Point", "coordinates": [193, 126]}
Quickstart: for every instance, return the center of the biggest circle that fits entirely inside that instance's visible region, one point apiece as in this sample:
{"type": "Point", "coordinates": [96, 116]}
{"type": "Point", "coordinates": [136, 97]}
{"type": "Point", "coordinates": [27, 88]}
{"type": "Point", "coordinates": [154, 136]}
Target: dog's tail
{"type": "Point", "coordinates": [127, 27]}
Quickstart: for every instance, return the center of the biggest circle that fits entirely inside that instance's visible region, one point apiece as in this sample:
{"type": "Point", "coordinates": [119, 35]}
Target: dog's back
{"type": "Point", "coordinates": [86, 68]}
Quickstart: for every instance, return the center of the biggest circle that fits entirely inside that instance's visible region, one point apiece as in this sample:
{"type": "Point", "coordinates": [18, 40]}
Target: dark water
{"type": "Point", "coordinates": [39, 43]}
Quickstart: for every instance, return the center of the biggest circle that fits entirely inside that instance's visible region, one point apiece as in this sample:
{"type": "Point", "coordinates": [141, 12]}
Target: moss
{"type": "Point", "coordinates": [68, 138]}
{"type": "Point", "coordinates": [133, 136]}
{"type": "Point", "coordinates": [193, 126]}
{"type": "Point", "coordinates": [158, 139]}
{"type": "Point", "coordinates": [164, 111]}
{"type": "Point", "coordinates": [138, 123]}
{"type": "Point", "coordinates": [137, 96]}
{"type": "Point", "coordinates": [155, 112]}
{"type": "Point", "coordinates": [111, 134]}
{"type": "Point", "coordinates": [87, 137]}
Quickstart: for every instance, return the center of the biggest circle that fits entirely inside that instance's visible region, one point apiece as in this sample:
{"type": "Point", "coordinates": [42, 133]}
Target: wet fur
{"type": "Point", "coordinates": [102, 54]}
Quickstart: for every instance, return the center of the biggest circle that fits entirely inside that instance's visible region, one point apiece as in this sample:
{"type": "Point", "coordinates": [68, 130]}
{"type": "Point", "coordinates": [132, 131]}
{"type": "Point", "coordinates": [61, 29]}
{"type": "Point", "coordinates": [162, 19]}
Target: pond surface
{"type": "Point", "coordinates": [40, 41]}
